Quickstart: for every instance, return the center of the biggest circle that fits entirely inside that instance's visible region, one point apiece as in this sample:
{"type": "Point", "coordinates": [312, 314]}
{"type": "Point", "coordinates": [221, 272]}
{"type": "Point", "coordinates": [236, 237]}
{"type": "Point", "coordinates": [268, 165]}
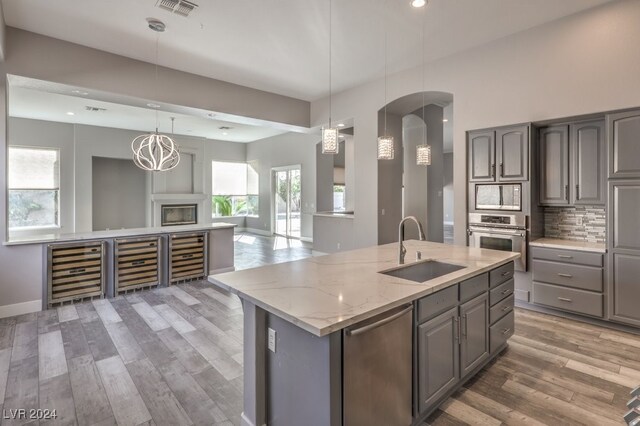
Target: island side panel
{"type": "Point", "coordinates": [221, 258]}
{"type": "Point", "coordinates": [255, 347]}
{"type": "Point", "coordinates": [304, 377]}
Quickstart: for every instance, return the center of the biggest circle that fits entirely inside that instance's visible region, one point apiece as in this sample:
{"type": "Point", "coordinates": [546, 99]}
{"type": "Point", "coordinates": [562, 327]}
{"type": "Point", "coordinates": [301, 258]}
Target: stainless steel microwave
{"type": "Point", "coordinates": [498, 197]}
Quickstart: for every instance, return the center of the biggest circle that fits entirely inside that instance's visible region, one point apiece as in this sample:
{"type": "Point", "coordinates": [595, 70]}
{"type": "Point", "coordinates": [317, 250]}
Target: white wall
{"type": "Point", "coordinates": [285, 150]}
{"type": "Point", "coordinates": [582, 64]}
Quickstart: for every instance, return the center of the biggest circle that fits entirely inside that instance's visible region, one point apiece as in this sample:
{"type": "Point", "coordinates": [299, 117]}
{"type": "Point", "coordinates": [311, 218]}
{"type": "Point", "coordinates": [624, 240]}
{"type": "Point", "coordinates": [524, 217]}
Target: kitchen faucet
{"type": "Point", "coordinates": [402, 250]}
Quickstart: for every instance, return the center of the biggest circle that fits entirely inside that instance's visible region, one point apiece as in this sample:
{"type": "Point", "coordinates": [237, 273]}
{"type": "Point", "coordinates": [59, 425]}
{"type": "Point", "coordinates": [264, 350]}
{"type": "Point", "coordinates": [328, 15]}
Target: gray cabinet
{"type": "Point", "coordinates": [438, 358]}
{"type": "Point", "coordinates": [554, 165]}
{"type": "Point", "coordinates": [588, 163]}
{"type": "Point", "coordinates": [624, 145]}
{"type": "Point", "coordinates": [512, 154]}
{"type": "Point", "coordinates": [499, 155]}
{"type": "Point", "coordinates": [624, 251]}
{"type": "Point", "coordinates": [474, 338]}
{"type": "Point", "coordinates": [482, 156]}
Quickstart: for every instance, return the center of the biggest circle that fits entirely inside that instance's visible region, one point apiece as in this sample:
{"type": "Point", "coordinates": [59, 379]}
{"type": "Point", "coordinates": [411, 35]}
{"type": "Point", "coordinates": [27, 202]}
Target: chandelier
{"type": "Point", "coordinates": [155, 152]}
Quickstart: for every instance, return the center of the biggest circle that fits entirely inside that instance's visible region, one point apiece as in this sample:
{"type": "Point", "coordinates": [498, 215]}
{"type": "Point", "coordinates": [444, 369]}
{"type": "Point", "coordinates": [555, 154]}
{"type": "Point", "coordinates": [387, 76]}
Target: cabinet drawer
{"type": "Point", "coordinates": [473, 287]}
{"type": "Point", "coordinates": [568, 299]}
{"type": "Point", "coordinates": [501, 274]}
{"type": "Point", "coordinates": [436, 303]}
{"type": "Point", "coordinates": [577, 276]}
{"type": "Point", "coordinates": [567, 256]}
{"type": "Point", "coordinates": [501, 309]}
{"type": "Point", "coordinates": [500, 332]}
{"type": "Point", "coordinates": [501, 292]}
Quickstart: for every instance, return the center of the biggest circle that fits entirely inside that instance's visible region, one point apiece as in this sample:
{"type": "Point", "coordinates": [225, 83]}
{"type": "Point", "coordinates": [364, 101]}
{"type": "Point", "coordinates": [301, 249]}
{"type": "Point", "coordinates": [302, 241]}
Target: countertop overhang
{"type": "Point", "coordinates": [116, 233]}
{"type": "Point", "coordinates": [328, 293]}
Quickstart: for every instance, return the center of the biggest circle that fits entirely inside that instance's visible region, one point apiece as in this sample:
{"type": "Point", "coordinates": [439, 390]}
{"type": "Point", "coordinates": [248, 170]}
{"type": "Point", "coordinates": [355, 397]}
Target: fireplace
{"type": "Point", "coordinates": [179, 214]}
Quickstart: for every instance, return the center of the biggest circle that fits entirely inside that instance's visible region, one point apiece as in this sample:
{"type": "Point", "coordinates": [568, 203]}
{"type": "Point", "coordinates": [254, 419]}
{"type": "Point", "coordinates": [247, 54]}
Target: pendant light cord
{"type": "Point", "coordinates": [156, 78]}
{"type": "Point", "coordinates": [424, 14]}
{"type": "Point", "coordinates": [330, 3]}
{"type": "Point", "coordinates": [385, 69]}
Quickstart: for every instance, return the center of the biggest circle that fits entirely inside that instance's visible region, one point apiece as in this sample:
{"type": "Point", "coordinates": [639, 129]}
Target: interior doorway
{"type": "Point", "coordinates": [287, 196]}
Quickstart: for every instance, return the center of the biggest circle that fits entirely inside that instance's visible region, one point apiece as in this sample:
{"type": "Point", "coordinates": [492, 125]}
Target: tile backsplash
{"type": "Point", "coordinates": [580, 223]}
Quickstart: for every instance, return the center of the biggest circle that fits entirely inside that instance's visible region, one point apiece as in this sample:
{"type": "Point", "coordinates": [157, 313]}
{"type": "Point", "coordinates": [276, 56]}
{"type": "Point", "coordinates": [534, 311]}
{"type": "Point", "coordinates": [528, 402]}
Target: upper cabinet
{"type": "Point", "coordinates": [572, 164]}
{"type": "Point", "coordinates": [512, 154]}
{"type": "Point", "coordinates": [588, 157]}
{"type": "Point", "coordinates": [499, 155]}
{"type": "Point", "coordinates": [624, 148]}
{"type": "Point", "coordinates": [554, 165]}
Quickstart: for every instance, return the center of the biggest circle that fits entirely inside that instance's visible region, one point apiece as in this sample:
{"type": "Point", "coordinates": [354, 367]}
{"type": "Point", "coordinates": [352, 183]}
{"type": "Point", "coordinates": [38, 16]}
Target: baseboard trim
{"type": "Point", "coordinates": [20, 308]}
{"type": "Point", "coordinates": [318, 253]}
{"type": "Point", "coordinates": [254, 231]}
{"type": "Point", "coordinates": [222, 270]}
{"type": "Point", "coordinates": [306, 239]}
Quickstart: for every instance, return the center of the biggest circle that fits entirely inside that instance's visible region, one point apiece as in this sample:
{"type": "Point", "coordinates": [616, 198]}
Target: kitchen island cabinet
{"type": "Point", "coordinates": [327, 340]}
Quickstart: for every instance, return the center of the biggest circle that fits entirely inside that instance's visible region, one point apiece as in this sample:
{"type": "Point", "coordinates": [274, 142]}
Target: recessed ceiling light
{"type": "Point", "coordinates": [341, 125]}
{"type": "Point", "coordinates": [445, 120]}
{"type": "Point", "coordinates": [225, 133]}
{"type": "Point", "coordinates": [71, 113]}
{"type": "Point", "coordinates": [150, 105]}
{"type": "Point", "coordinates": [418, 3]}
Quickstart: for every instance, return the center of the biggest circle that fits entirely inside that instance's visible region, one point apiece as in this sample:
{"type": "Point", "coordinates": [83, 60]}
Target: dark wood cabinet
{"type": "Point", "coordinates": [554, 165]}
{"type": "Point", "coordinates": [624, 144]}
{"type": "Point", "coordinates": [500, 155]}
{"type": "Point", "coordinates": [474, 336]}
{"type": "Point", "coordinates": [438, 357]}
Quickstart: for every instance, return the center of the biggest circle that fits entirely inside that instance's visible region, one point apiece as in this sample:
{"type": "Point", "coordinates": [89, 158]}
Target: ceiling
{"type": "Point", "coordinates": [43, 105]}
{"type": "Point", "coordinates": [282, 46]}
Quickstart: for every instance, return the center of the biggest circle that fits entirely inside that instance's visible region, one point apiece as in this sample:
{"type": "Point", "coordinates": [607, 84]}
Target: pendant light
{"type": "Point", "coordinates": [423, 151]}
{"type": "Point", "coordinates": [330, 137]}
{"type": "Point", "coordinates": [155, 152]}
{"type": "Point", "coordinates": [386, 149]}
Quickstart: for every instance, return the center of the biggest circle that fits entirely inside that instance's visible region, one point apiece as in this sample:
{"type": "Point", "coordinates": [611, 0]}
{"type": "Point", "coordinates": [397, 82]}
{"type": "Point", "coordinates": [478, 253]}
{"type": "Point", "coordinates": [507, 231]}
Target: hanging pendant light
{"type": "Point", "coordinates": [423, 151]}
{"type": "Point", "coordinates": [155, 152]}
{"type": "Point", "coordinates": [330, 136]}
{"type": "Point", "coordinates": [386, 149]}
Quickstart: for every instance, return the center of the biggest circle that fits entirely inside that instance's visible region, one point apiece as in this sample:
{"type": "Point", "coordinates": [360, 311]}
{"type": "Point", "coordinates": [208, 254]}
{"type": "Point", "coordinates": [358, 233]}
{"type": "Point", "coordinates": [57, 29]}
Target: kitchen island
{"type": "Point", "coordinates": [316, 350]}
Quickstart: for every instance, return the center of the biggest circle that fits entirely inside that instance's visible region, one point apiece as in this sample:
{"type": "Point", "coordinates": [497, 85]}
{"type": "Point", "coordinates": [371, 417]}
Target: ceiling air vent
{"type": "Point", "coordinates": [94, 109]}
{"type": "Point", "coordinates": [179, 7]}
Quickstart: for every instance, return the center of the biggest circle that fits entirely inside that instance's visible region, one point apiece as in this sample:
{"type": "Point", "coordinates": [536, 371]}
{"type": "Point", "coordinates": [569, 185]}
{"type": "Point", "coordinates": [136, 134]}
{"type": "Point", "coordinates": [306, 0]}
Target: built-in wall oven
{"type": "Point", "coordinates": [506, 232]}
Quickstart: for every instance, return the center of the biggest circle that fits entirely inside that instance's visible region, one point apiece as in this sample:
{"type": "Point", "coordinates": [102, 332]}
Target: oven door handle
{"type": "Point", "coordinates": [484, 232]}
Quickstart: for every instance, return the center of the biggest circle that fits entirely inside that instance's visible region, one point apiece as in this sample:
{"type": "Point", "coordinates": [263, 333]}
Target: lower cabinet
{"type": "Point", "coordinates": [474, 341]}
{"type": "Point", "coordinates": [438, 357]}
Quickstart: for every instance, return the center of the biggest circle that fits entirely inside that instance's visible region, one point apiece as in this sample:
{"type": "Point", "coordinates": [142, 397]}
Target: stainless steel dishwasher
{"type": "Point", "coordinates": [377, 370]}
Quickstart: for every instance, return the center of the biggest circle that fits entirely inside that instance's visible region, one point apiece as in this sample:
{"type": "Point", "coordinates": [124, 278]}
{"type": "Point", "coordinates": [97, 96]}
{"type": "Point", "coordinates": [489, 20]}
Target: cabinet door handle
{"type": "Point", "coordinates": [76, 270]}
{"type": "Point", "coordinates": [506, 308]}
{"type": "Point", "coordinates": [565, 299]}
{"type": "Point", "coordinates": [501, 169]}
{"type": "Point", "coordinates": [506, 330]}
{"type": "Point", "coordinates": [566, 192]}
{"type": "Point", "coordinates": [457, 326]}
{"type": "Point", "coordinates": [504, 274]}
{"type": "Point", "coordinates": [565, 275]}
{"type": "Point", "coordinates": [464, 332]}
{"type": "Point", "coordinates": [565, 256]}
{"type": "Point", "coordinates": [505, 291]}
{"type": "Point", "coordinates": [493, 170]}
{"type": "Point", "coordinates": [577, 192]}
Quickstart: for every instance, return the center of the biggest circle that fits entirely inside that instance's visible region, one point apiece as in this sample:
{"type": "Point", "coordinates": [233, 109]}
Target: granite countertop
{"type": "Point", "coordinates": [569, 245]}
{"type": "Point", "coordinates": [328, 293]}
{"type": "Point", "coordinates": [116, 233]}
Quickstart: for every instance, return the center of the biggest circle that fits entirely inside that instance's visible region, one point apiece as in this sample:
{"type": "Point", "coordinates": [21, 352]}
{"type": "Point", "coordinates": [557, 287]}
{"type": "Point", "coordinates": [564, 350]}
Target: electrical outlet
{"type": "Point", "coordinates": [338, 245]}
{"type": "Point", "coordinates": [579, 220]}
{"type": "Point", "coordinates": [383, 212]}
{"type": "Point", "coordinates": [272, 340]}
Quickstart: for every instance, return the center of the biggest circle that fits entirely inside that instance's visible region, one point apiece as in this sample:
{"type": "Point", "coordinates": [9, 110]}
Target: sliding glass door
{"type": "Point", "coordinates": [287, 201]}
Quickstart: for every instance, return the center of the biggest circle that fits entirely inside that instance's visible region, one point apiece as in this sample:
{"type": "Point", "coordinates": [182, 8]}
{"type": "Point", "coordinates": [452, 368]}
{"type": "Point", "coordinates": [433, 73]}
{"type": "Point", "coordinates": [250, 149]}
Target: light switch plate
{"type": "Point", "coordinates": [272, 340]}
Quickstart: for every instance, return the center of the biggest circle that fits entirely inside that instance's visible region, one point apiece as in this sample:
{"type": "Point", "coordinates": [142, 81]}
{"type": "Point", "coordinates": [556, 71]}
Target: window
{"type": "Point", "coordinates": [338, 198]}
{"type": "Point", "coordinates": [234, 189]}
{"type": "Point", "coordinates": [34, 188]}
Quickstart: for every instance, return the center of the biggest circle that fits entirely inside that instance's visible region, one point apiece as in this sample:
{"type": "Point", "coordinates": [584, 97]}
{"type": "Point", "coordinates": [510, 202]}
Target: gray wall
{"type": "Point", "coordinates": [119, 194]}
{"type": "Point", "coordinates": [324, 180]}
{"type": "Point", "coordinates": [389, 199]}
{"type": "Point", "coordinates": [285, 150]}
{"type": "Point", "coordinates": [448, 195]}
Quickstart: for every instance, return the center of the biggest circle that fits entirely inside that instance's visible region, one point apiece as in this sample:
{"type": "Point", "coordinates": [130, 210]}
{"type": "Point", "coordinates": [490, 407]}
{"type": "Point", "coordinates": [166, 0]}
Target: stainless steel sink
{"type": "Point", "coordinates": [423, 271]}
